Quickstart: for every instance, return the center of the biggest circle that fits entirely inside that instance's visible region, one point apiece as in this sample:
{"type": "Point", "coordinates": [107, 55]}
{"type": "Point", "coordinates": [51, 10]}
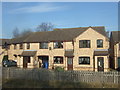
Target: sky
{"type": "Point", "coordinates": [28, 15]}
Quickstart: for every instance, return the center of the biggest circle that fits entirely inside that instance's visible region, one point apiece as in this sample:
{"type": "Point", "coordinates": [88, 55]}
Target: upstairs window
{"type": "Point", "coordinates": [21, 46]}
{"type": "Point", "coordinates": [84, 43]}
{"type": "Point", "coordinates": [58, 60]}
{"type": "Point", "coordinates": [8, 47]}
{"type": "Point", "coordinates": [28, 45]}
{"type": "Point", "coordinates": [84, 60]}
{"type": "Point", "coordinates": [5, 46]}
{"type": "Point", "coordinates": [15, 46]}
{"type": "Point", "coordinates": [43, 45]}
{"type": "Point", "coordinates": [58, 44]}
{"type": "Point", "coordinates": [99, 43]}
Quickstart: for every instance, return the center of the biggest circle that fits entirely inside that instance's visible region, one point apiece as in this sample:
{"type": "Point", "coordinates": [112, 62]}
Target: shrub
{"type": "Point", "coordinates": [59, 69]}
{"type": "Point", "coordinates": [112, 70]}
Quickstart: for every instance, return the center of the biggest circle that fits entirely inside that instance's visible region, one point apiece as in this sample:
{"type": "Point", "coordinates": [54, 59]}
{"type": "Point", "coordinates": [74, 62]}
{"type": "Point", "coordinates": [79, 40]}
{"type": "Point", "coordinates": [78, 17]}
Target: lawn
{"type": "Point", "coordinates": [53, 84]}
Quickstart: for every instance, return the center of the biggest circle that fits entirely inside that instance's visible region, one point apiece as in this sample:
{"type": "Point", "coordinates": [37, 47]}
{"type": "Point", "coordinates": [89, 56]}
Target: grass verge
{"type": "Point", "coordinates": [15, 83]}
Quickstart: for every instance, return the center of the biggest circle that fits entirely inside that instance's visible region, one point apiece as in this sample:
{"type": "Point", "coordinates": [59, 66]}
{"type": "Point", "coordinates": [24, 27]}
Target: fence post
{"type": "Point", "coordinates": [8, 73]}
{"type": "Point", "coordinates": [114, 77]}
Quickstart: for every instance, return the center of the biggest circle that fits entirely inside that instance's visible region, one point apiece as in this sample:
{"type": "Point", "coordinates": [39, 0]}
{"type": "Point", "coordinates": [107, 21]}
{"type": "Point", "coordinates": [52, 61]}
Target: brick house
{"type": "Point", "coordinates": [115, 49]}
{"type": "Point", "coordinates": [84, 48]}
{"type": "Point", "coordinates": [3, 51]}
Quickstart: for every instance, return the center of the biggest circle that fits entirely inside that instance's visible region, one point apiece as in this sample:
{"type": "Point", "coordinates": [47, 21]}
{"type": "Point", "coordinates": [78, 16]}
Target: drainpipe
{"type": "Point", "coordinates": [73, 51]}
{"type": "Point", "coordinates": [93, 63]}
{"type": "Point", "coordinates": [116, 56]}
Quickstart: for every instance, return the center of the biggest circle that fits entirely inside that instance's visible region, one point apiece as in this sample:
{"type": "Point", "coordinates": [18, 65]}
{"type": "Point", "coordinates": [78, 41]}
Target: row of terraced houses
{"type": "Point", "coordinates": [83, 48]}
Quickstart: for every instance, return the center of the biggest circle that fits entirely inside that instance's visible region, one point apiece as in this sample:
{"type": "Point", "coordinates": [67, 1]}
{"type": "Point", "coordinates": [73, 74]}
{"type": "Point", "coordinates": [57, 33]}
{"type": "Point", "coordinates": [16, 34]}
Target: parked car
{"type": "Point", "coordinates": [118, 69]}
{"type": "Point", "coordinates": [9, 63]}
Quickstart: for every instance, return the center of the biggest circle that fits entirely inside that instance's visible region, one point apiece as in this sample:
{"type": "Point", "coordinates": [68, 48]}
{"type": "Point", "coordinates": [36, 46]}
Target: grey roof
{"type": "Point", "coordinates": [2, 41]}
{"type": "Point", "coordinates": [115, 35]}
{"type": "Point", "coordinates": [19, 39]}
{"type": "Point", "coordinates": [28, 53]}
{"type": "Point", "coordinates": [66, 34]}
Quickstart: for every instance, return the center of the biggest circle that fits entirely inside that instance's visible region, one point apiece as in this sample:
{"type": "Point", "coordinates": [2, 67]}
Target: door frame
{"type": "Point", "coordinates": [25, 62]}
{"type": "Point", "coordinates": [70, 67]}
{"type": "Point", "coordinates": [43, 58]}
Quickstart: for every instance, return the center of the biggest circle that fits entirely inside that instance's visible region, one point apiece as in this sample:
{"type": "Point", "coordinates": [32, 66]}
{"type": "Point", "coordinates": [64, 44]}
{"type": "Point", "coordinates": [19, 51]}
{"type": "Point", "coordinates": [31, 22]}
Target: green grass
{"type": "Point", "coordinates": [53, 84]}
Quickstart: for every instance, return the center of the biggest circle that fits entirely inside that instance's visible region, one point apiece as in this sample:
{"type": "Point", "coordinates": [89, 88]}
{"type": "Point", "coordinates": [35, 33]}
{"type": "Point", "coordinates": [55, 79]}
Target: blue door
{"type": "Point", "coordinates": [44, 61]}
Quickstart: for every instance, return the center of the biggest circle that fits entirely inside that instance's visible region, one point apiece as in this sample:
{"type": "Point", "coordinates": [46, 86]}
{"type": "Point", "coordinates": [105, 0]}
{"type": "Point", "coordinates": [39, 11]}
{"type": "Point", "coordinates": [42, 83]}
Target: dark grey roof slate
{"type": "Point", "coordinates": [28, 53]}
{"type": "Point", "coordinates": [101, 53]}
{"type": "Point", "coordinates": [66, 34]}
{"type": "Point", "coordinates": [69, 53]}
{"type": "Point", "coordinates": [115, 35]}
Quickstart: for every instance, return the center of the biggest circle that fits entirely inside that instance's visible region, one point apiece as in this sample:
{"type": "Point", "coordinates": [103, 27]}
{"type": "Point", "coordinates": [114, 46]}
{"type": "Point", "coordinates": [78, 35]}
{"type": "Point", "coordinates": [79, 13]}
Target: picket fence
{"type": "Point", "coordinates": [67, 76]}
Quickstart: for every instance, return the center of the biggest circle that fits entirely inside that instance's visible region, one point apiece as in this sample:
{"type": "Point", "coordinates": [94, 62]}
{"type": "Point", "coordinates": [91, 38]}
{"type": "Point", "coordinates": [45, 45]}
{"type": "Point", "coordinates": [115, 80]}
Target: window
{"type": "Point", "coordinates": [21, 46]}
{"type": "Point", "coordinates": [84, 43]}
{"type": "Point", "coordinates": [58, 44]}
{"type": "Point", "coordinates": [15, 46]}
{"type": "Point", "coordinates": [58, 60]}
{"type": "Point", "coordinates": [44, 45]}
{"type": "Point", "coordinates": [118, 61]}
{"type": "Point", "coordinates": [84, 60]}
{"type": "Point", "coordinates": [3, 47]}
{"type": "Point", "coordinates": [99, 43]}
{"type": "Point", "coordinates": [8, 47]}
{"type": "Point", "coordinates": [28, 45]}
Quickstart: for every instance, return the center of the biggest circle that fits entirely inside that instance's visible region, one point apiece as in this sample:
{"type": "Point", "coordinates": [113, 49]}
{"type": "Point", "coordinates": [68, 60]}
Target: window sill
{"type": "Point", "coordinates": [83, 64]}
{"type": "Point", "coordinates": [58, 63]}
{"type": "Point", "coordinates": [84, 47]}
{"type": "Point", "coordinates": [58, 48]}
{"type": "Point", "coordinates": [43, 48]}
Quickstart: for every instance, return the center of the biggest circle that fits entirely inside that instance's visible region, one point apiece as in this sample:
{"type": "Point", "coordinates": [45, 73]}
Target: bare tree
{"type": "Point", "coordinates": [26, 32]}
{"type": "Point", "coordinates": [16, 33]}
{"type": "Point", "coordinates": [45, 27]}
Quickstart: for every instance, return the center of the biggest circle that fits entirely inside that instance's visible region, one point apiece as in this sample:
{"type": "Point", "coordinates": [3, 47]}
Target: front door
{"type": "Point", "coordinates": [70, 63]}
{"type": "Point", "coordinates": [44, 62]}
{"type": "Point", "coordinates": [100, 63]}
{"type": "Point", "coordinates": [118, 61]}
{"type": "Point", "coordinates": [25, 61]}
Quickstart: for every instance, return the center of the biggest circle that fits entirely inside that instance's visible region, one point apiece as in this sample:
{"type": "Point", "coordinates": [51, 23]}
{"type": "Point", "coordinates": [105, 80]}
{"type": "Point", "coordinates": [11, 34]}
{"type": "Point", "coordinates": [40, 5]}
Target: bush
{"type": "Point", "coordinates": [59, 69]}
{"type": "Point", "coordinates": [5, 57]}
{"type": "Point", "coordinates": [112, 69]}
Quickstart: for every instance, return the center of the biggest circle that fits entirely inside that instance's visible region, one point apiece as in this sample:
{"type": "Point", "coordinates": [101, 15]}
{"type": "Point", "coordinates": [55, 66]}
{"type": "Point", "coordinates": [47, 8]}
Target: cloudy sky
{"type": "Point", "coordinates": [28, 15]}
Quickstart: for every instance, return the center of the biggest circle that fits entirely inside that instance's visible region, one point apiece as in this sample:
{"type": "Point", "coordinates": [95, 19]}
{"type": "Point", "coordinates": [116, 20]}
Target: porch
{"type": "Point", "coordinates": [101, 60]}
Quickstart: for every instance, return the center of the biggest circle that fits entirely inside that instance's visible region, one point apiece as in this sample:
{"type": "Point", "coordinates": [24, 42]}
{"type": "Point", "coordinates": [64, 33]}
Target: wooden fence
{"type": "Point", "coordinates": [68, 76]}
